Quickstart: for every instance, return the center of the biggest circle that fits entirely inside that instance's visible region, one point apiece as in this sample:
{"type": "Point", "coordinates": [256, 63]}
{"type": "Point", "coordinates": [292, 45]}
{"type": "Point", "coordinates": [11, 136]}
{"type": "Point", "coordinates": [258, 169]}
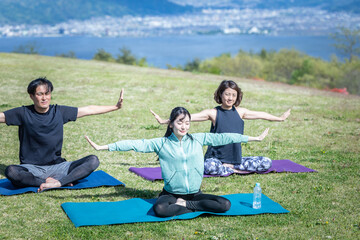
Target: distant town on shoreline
{"type": "Point", "coordinates": [291, 21]}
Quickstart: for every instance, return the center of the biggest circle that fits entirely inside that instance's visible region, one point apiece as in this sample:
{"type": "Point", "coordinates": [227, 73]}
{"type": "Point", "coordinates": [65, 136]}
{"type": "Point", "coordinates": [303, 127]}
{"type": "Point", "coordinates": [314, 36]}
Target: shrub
{"type": "Point", "coordinates": [280, 66]}
{"type": "Point", "coordinates": [351, 76]}
{"type": "Point", "coordinates": [28, 48]}
{"type": "Point", "coordinates": [126, 57]}
{"type": "Point", "coordinates": [70, 54]}
{"type": "Point", "coordinates": [102, 55]}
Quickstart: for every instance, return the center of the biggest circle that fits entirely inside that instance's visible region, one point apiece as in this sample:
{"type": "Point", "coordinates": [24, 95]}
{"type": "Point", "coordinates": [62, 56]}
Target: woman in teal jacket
{"type": "Point", "coordinates": [229, 117]}
{"type": "Point", "coordinates": [182, 164]}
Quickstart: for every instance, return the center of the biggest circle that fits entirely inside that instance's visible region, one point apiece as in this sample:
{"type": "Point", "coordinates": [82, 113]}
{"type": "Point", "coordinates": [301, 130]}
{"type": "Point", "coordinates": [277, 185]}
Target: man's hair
{"type": "Point", "coordinates": [223, 86]}
{"type": "Point", "coordinates": [37, 82]}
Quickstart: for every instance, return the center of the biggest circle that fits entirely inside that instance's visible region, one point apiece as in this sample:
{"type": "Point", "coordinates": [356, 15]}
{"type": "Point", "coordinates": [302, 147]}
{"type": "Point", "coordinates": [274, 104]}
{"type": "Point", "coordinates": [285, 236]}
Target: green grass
{"type": "Point", "coordinates": [322, 133]}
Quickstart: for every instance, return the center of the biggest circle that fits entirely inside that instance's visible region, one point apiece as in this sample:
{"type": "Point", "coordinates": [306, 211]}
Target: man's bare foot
{"type": "Point", "coordinates": [50, 179]}
{"type": "Point", "coordinates": [49, 183]}
{"type": "Point", "coordinates": [181, 202]}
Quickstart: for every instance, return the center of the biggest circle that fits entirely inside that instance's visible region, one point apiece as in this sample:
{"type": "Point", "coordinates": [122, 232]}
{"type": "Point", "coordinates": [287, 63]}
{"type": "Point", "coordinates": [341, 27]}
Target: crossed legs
{"type": "Point", "coordinates": [22, 177]}
{"type": "Point", "coordinates": [168, 204]}
{"type": "Point", "coordinates": [214, 166]}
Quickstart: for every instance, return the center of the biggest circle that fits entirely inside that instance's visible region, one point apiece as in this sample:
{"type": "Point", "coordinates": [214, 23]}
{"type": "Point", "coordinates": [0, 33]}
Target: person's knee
{"type": "Point", "coordinates": [268, 161]}
{"type": "Point", "coordinates": [225, 205]}
{"type": "Point", "coordinates": [265, 164]}
{"type": "Point", "coordinates": [94, 162]}
{"type": "Point", "coordinates": [160, 210]}
{"type": "Point", "coordinates": [11, 172]}
{"type": "Point", "coordinates": [212, 166]}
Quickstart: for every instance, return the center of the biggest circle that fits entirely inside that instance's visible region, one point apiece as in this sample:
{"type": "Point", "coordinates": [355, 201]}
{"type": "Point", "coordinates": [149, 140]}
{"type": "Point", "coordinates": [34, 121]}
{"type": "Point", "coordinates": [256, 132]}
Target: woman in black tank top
{"type": "Point", "coordinates": [228, 117]}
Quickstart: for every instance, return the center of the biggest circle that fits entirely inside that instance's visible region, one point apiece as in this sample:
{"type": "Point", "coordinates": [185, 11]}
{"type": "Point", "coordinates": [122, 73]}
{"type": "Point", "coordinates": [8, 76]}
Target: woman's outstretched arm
{"type": "Point", "coordinates": [139, 145]}
{"type": "Point", "coordinates": [207, 114]}
{"type": "Point", "coordinates": [251, 115]}
{"type": "Point", "coordinates": [219, 139]}
{"type": "Point", "coordinates": [95, 146]}
{"type": "Point", "coordinates": [261, 137]}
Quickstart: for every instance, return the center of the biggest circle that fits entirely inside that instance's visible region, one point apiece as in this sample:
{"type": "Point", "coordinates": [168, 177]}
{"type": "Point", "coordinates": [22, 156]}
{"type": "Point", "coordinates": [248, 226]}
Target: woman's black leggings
{"type": "Point", "coordinates": [21, 177]}
{"type": "Point", "coordinates": [165, 205]}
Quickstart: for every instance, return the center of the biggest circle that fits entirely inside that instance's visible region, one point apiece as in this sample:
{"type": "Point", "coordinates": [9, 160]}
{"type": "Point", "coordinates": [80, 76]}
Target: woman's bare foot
{"type": "Point", "coordinates": [228, 165]}
{"type": "Point", "coordinates": [233, 168]}
{"type": "Point", "coordinates": [181, 202]}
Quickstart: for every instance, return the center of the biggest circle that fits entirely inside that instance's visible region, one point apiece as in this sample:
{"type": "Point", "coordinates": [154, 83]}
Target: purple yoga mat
{"type": "Point", "coordinates": [285, 165]}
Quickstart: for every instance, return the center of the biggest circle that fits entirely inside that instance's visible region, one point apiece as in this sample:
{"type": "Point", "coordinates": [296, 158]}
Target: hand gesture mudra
{"type": "Point", "coordinates": [95, 146]}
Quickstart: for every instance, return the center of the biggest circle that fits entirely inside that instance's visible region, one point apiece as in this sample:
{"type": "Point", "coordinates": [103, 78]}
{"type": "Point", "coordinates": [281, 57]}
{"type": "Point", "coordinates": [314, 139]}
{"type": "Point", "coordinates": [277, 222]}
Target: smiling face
{"type": "Point", "coordinates": [181, 126]}
{"type": "Point", "coordinates": [228, 98]}
{"type": "Point", "coordinates": [41, 98]}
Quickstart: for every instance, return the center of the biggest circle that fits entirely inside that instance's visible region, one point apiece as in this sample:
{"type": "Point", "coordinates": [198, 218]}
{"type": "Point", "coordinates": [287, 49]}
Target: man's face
{"type": "Point", "coordinates": [41, 98]}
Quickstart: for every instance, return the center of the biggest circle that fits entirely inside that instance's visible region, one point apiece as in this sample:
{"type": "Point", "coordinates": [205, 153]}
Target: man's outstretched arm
{"type": "Point", "coordinates": [94, 109]}
{"type": "Point", "coordinates": [2, 117]}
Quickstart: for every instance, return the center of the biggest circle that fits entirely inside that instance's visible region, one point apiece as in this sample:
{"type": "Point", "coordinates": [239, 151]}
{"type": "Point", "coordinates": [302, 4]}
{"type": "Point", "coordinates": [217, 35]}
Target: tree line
{"type": "Point", "coordinates": [286, 65]}
{"type": "Point", "coordinates": [291, 66]}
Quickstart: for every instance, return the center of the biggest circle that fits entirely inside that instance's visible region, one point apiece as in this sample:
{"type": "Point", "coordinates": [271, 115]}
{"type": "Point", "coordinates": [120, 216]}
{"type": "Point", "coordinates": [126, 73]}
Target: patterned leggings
{"type": "Point", "coordinates": [213, 166]}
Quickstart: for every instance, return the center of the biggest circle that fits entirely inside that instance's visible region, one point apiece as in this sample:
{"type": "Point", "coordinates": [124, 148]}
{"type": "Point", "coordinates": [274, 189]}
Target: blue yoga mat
{"type": "Point", "coordinates": [95, 179]}
{"type": "Point", "coordinates": [140, 210]}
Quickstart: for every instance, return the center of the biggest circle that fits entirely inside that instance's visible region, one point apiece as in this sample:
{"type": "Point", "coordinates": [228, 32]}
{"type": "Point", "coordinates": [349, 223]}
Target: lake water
{"type": "Point", "coordinates": [174, 50]}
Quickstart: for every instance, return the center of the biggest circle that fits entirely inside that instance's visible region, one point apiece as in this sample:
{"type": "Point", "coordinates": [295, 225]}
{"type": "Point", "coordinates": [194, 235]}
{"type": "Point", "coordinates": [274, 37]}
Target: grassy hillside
{"type": "Point", "coordinates": [322, 133]}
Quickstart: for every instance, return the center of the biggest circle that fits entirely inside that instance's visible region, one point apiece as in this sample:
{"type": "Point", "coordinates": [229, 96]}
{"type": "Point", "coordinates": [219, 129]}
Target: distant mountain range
{"type": "Point", "coordinates": [350, 6]}
{"type": "Point", "coordinates": [55, 11]}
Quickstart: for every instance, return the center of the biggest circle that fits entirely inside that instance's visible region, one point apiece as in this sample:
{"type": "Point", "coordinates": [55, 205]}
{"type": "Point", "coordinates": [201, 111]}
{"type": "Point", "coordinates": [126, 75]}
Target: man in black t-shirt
{"type": "Point", "coordinates": [41, 137]}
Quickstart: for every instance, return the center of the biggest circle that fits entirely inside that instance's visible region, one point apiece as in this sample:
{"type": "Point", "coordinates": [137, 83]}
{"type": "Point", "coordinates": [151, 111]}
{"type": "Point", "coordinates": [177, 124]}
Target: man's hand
{"type": "Point", "coordinates": [120, 102]}
{"type": "Point", "coordinates": [2, 117]}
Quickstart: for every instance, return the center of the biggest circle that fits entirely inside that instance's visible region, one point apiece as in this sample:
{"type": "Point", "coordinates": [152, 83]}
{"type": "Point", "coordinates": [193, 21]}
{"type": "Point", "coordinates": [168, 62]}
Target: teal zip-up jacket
{"type": "Point", "coordinates": [182, 162]}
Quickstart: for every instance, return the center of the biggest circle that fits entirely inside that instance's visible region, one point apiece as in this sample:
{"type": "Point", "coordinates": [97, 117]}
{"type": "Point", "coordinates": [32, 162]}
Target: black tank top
{"type": "Point", "coordinates": [227, 121]}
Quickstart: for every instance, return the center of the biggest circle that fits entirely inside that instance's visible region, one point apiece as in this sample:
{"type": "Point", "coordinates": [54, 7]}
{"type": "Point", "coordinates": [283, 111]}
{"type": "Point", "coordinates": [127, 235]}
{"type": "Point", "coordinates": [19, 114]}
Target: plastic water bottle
{"type": "Point", "coordinates": [257, 196]}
